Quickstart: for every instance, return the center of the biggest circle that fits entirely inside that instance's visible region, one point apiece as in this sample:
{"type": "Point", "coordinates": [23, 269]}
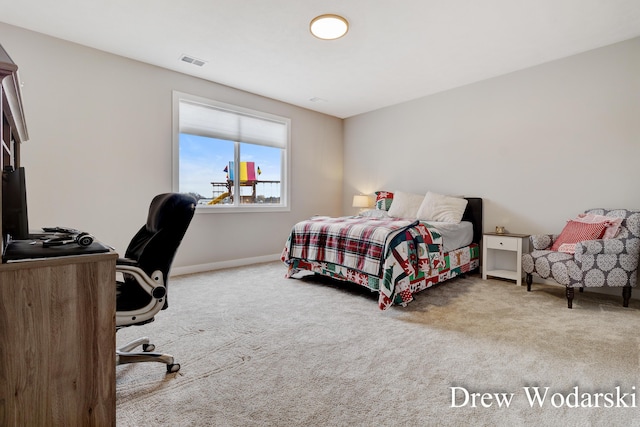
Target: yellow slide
{"type": "Point", "coordinates": [218, 199]}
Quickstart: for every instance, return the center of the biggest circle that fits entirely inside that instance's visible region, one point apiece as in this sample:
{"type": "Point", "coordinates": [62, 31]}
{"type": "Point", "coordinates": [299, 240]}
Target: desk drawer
{"type": "Point", "coordinates": [502, 242]}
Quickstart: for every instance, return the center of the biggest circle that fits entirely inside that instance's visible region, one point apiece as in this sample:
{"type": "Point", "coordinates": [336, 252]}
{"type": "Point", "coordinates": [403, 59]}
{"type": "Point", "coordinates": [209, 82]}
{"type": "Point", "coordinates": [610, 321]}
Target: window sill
{"type": "Point", "coordinates": [204, 209]}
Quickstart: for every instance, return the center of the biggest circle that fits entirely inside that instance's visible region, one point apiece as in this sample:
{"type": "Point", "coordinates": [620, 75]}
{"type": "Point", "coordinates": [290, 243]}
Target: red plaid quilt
{"type": "Point", "coordinates": [358, 243]}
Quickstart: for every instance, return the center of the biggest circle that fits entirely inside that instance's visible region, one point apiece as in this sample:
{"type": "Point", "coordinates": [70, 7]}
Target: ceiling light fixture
{"type": "Point", "coordinates": [329, 27]}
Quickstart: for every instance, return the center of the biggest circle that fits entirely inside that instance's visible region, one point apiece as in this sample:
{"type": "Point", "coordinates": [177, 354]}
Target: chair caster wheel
{"type": "Point", "coordinates": [172, 368]}
{"type": "Point", "coordinates": [148, 347]}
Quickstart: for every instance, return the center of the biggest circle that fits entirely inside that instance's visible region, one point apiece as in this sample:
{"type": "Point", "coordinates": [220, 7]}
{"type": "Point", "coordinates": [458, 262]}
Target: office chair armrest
{"type": "Point", "coordinates": [153, 285]}
{"type": "Point", "coordinates": [126, 261]}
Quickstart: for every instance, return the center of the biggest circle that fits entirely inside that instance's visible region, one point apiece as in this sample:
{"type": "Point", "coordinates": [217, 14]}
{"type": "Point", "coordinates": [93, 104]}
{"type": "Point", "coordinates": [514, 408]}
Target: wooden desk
{"type": "Point", "coordinates": [57, 341]}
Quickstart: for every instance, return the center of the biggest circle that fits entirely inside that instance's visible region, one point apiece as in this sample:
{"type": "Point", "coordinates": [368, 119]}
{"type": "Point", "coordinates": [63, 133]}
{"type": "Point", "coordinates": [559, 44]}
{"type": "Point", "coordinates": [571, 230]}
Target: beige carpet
{"type": "Point", "coordinates": [260, 350]}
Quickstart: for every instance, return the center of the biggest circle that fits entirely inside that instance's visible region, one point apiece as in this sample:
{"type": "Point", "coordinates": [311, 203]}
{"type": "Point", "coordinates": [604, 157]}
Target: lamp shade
{"type": "Point", "coordinates": [360, 201]}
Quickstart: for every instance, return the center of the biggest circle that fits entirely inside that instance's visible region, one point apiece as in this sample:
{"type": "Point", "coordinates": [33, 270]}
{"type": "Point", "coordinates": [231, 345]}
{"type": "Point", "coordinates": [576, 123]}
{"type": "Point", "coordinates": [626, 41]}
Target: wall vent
{"type": "Point", "coordinates": [192, 60]}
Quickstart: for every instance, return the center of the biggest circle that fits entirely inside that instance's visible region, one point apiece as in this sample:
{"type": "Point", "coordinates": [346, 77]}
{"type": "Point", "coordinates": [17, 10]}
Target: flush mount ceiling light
{"type": "Point", "coordinates": [329, 27]}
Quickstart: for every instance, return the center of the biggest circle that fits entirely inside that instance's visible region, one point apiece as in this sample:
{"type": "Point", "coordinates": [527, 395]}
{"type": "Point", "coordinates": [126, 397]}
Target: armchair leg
{"type": "Point", "coordinates": [569, 297]}
{"type": "Point", "coordinates": [626, 295]}
{"type": "Point", "coordinates": [529, 279]}
{"type": "Point", "coordinates": [581, 289]}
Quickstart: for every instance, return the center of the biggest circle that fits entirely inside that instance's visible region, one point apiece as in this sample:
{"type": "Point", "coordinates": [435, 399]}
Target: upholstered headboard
{"type": "Point", "coordinates": [473, 213]}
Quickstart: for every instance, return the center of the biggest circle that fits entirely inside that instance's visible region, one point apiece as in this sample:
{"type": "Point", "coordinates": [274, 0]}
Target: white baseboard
{"type": "Point", "coordinates": [179, 271]}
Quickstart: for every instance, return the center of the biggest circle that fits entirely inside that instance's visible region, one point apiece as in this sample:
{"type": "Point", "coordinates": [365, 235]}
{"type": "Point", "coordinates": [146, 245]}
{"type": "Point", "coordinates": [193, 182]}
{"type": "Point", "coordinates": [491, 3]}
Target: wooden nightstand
{"type": "Point", "coordinates": [502, 255]}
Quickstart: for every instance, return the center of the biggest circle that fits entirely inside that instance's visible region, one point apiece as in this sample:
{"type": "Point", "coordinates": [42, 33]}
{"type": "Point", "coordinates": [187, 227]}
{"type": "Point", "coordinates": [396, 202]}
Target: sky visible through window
{"type": "Point", "coordinates": [203, 160]}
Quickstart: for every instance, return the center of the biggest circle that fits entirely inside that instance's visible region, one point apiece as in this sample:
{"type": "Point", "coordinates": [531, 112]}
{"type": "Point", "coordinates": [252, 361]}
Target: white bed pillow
{"type": "Point", "coordinates": [438, 207]}
{"type": "Point", "coordinates": [374, 213]}
{"type": "Point", "coordinates": [405, 205]}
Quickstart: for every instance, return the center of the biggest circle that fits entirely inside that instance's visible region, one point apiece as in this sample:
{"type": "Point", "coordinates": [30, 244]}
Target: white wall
{"type": "Point", "coordinates": [100, 149]}
{"type": "Point", "coordinates": [538, 145]}
{"type": "Point", "coordinates": [541, 145]}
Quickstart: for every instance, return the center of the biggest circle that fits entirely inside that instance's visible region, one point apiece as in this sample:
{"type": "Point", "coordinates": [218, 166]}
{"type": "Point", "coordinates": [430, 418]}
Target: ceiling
{"type": "Point", "coordinates": [395, 50]}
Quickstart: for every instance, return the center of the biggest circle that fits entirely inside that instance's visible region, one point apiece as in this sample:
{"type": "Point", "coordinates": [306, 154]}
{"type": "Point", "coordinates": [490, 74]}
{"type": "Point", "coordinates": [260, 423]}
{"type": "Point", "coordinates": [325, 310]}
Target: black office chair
{"type": "Point", "coordinates": [142, 275]}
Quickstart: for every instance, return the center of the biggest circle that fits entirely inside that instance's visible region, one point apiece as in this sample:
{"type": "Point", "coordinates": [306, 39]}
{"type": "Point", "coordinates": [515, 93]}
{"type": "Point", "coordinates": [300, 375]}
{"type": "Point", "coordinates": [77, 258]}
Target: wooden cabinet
{"type": "Point", "coordinates": [57, 341]}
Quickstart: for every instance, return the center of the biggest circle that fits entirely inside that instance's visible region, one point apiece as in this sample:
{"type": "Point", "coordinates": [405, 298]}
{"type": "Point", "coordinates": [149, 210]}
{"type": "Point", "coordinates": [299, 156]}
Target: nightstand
{"type": "Point", "coordinates": [502, 255]}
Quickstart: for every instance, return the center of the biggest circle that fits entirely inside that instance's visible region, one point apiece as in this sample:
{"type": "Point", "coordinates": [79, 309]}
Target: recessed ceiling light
{"type": "Point", "coordinates": [329, 27]}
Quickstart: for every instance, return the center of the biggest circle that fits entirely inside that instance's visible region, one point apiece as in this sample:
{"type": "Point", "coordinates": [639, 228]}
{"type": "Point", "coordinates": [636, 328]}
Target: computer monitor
{"type": "Point", "coordinates": [15, 221]}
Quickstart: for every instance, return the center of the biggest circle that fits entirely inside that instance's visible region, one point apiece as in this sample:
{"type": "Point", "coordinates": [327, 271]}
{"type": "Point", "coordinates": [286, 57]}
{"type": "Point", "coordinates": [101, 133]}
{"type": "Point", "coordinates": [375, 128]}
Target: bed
{"type": "Point", "coordinates": [393, 256]}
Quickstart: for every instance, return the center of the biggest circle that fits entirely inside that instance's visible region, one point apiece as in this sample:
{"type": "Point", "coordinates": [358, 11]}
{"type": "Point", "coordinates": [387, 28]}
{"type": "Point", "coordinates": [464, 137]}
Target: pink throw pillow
{"type": "Point", "coordinates": [612, 223]}
{"type": "Point", "coordinates": [575, 232]}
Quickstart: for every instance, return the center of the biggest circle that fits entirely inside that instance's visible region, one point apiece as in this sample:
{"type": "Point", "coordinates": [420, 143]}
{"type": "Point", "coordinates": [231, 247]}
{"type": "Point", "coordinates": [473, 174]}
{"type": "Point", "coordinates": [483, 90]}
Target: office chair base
{"type": "Point", "coordinates": [125, 355]}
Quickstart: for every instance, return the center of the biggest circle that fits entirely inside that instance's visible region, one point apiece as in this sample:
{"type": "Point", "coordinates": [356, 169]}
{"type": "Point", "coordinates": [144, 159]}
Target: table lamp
{"type": "Point", "coordinates": [361, 201]}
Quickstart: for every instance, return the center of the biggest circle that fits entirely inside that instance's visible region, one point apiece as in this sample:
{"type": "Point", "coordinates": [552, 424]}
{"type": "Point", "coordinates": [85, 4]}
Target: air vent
{"type": "Point", "coordinates": [192, 60]}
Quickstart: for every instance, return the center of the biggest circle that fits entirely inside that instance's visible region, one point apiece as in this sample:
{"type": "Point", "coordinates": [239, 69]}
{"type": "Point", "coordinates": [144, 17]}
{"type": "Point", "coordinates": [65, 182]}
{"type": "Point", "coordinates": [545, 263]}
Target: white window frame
{"type": "Point", "coordinates": [285, 193]}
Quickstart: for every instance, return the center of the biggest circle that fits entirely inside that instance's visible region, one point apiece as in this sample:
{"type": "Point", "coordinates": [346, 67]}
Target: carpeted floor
{"type": "Point", "coordinates": [257, 349]}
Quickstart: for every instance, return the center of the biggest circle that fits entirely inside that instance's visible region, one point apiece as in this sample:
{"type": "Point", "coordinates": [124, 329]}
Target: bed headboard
{"type": "Point", "coordinates": [473, 213]}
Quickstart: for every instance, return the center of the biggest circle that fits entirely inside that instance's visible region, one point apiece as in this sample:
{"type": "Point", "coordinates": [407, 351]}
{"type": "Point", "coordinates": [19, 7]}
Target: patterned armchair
{"type": "Point", "coordinates": [596, 263]}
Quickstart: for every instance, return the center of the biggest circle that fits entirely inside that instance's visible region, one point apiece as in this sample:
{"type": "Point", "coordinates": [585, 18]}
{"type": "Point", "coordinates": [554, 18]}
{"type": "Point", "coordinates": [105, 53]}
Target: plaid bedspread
{"type": "Point", "coordinates": [354, 242]}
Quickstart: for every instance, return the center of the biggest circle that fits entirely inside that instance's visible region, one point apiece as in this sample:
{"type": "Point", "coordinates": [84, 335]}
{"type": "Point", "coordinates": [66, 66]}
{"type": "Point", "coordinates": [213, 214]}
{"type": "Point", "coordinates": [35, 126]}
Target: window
{"type": "Point", "coordinates": [228, 157]}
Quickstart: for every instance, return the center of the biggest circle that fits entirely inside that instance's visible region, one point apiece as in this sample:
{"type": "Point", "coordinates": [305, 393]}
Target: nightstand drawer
{"type": "Point", "coordinates": [499, 242]}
